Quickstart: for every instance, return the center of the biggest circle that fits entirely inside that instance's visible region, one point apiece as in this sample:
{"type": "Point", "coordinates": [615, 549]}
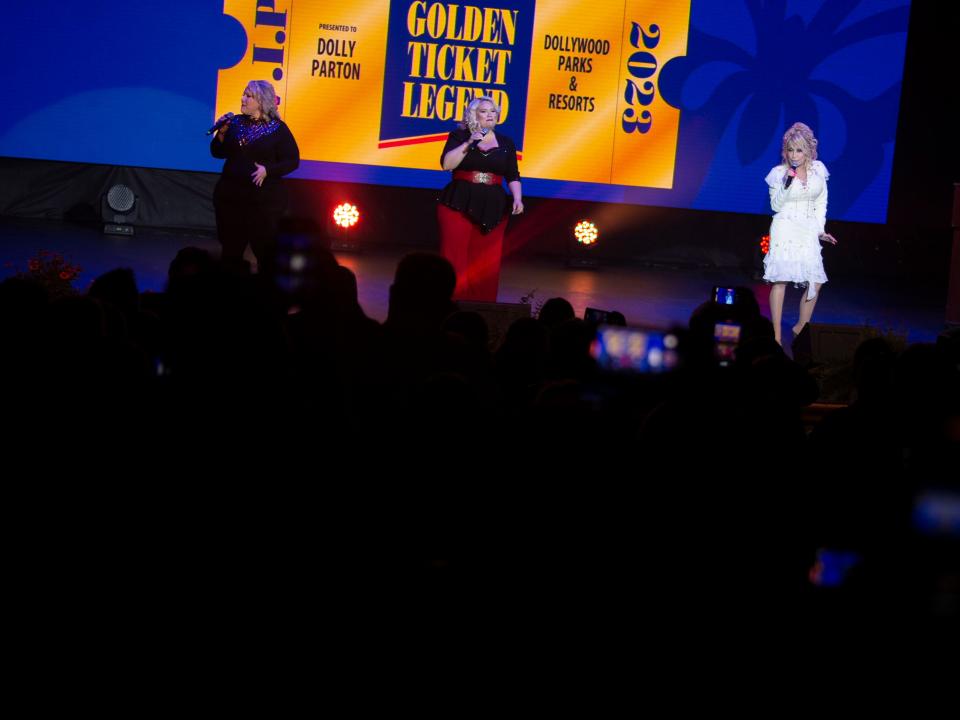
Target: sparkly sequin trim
{"type": "Point", "coordinates": [249, 131]}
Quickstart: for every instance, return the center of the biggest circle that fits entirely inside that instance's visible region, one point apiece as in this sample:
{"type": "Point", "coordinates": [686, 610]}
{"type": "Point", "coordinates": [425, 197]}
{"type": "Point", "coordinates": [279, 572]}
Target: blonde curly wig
{"type": "Point", "coordinates": [799, 135]}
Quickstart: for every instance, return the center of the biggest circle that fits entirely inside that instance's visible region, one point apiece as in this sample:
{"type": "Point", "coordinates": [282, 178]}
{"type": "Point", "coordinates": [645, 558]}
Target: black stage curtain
{"type": "Point", "coordinates": [74, 191]}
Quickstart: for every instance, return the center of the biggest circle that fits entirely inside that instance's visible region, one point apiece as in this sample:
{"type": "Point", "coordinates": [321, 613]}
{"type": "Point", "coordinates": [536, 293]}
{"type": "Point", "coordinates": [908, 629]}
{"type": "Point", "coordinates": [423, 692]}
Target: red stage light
{"type": "Point", "coordinates": [586, 232]}
{"type": "Point", "coordinates": [346, 215]}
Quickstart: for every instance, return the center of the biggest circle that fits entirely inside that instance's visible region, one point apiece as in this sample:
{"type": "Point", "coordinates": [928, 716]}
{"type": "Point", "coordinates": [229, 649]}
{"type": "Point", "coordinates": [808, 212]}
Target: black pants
{"type": "Point", "coordinates": [248, 215]}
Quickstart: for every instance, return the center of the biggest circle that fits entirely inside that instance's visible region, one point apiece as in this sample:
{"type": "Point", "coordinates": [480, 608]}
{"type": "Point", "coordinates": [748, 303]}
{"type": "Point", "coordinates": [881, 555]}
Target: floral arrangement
{"type": "Point", "coordinates": [53, 272]}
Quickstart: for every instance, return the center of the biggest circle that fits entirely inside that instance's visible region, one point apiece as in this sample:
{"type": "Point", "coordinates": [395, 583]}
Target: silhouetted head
{"type": "Point", "coordinates": [423, 286]}
{"type": "Point", "coordinates": [556, 311]}
{"type": "Point", "coordinates": [118, 288]}
{"type": "Point", "coordinates": [190, 261]}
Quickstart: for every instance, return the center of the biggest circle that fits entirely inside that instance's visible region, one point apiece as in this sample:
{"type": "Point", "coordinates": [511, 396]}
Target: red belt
{"type": "Point", "coordinates": [475, 176]}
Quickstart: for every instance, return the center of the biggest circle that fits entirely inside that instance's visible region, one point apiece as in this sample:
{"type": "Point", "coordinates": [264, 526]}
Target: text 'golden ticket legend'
{"type": "Point", "coordinates": [377, 83]}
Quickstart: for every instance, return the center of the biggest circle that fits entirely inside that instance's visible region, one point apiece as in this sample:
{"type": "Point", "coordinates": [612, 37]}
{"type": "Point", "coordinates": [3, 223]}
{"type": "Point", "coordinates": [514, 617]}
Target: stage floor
{"type": "Point", "coordinates": [646, 296]}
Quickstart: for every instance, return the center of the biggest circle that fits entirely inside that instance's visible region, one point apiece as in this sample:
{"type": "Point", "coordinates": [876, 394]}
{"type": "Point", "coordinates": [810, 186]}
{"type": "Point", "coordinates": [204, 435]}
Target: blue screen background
{"type": "Point", "coordinates": [135, 84]}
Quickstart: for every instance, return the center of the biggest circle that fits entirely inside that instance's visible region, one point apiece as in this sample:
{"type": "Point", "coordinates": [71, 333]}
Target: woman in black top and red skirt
{"type": "Point", "coordinates": [249, 198]}
{"type": "Point", "coordinates": [472, 207]}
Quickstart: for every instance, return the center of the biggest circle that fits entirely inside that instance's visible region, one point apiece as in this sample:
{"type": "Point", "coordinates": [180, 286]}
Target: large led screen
{"type": "Point", "coordinates": [657, 102]}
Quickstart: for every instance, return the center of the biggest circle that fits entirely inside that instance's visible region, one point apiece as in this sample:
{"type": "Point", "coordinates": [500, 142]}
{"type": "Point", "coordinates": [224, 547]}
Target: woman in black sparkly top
{"type": "Point", "coordinates": [249, 197]}
{"type": "Point", "coordinates": [473, 207]}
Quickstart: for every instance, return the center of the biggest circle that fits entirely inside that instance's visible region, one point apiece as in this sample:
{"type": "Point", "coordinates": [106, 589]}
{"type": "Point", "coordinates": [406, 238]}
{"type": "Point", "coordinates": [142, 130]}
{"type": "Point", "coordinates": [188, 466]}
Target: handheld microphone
{"type": "Point", "coordinates": [220, 123]}
{"type": "Point", "coordinates": [474, 143]}
{"type": "Point", "coordinates": [787, 179]}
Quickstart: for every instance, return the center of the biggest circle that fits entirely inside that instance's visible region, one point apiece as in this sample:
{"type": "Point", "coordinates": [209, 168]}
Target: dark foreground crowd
{"type": "Point", "coordinates": [232, 445]}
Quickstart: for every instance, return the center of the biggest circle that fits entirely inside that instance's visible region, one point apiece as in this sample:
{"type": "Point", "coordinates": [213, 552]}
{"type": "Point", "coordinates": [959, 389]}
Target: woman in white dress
{"type": "Point", "coordinates": [798, 198]}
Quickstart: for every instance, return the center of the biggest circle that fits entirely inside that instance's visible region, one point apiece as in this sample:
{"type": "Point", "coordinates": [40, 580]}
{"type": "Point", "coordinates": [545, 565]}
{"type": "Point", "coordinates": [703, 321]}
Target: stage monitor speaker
{"type": "Point", "coordinates": [821, 344]}
{"type": "Point", "coordinates": [499, 317]}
